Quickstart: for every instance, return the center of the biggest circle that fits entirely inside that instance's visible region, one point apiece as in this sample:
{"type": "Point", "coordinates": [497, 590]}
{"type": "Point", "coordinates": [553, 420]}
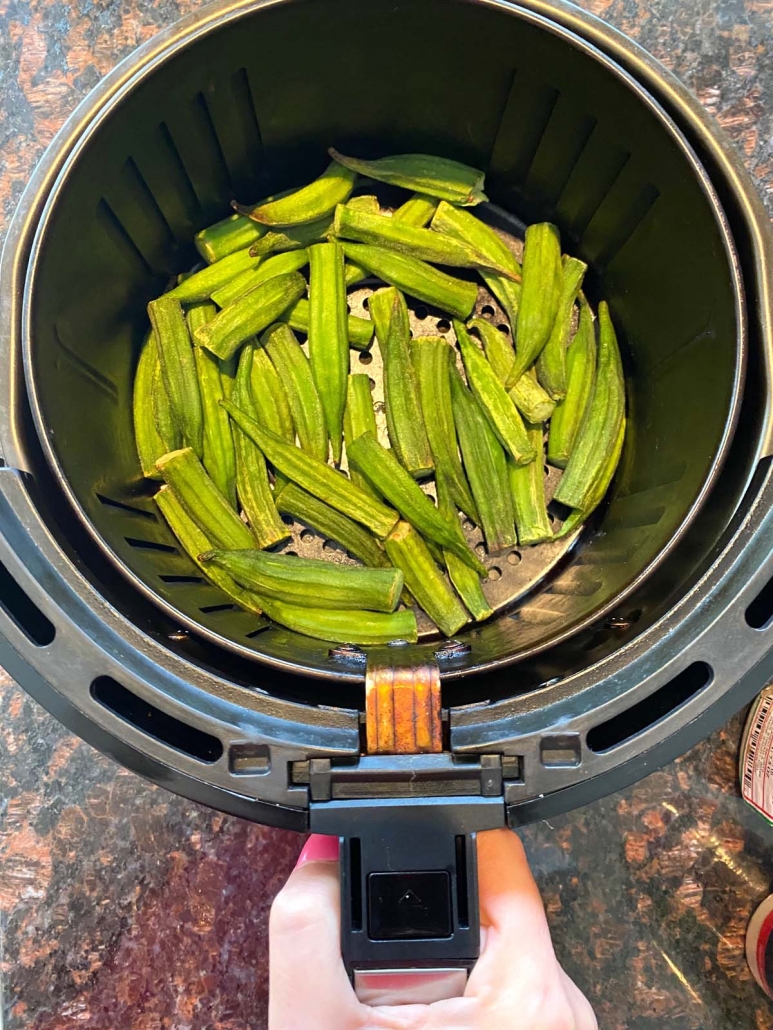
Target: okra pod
{"type": "Point", "coordinates": [397, 486]}
{"type": "Point", "coordinates": [272, 406]}
{"type": "Point", "coordinates": [183, 471]}
{"type": "Point", "coordinates": [332, 524]}
{"type": "Point", "coordinates": [418, 210]}
{"type": "Point", "coordinates": [597, 437]}
{"type": "Point", "coordinates": [311, 202]}
{"type": "Point", "coordinates": [178, 368]}
{"type": "Point", "coordinates": [201, 285]}
{"type": "Point", "coordinates": [294, 371]}
{"type": "Point", "coordinates": [279, 264]}
{"type": "Point", "coordinates": [365, 202]}
{"type": "Point", "coordinates": [317, 477]}
{"type": "Point", "coordinates": [424, 579]}
{"type": "Point", "coordinates": [540, 293]}
{"type": "Point", "coordinates": [359, 418]}
{"type": "Point", "coordinates": [465, 580]}
{"type": "Point", "coordinates": [405, 421]}
{"type": "Point", "coordinates": [329, 336]}
{"type": "Point", "coordinates": [344, 627]}
{"type": "Point", "coordinates": [580, 373]}
{"type": "Point", "coordinates": [416, 278]}
{"type": "Point", "coordinates": [360, 329]}
{"type": "Point", "coordinates": [600, 487]}
{"type": "Point", "coordinates": [166, 424]}
{"type": "Point", "coordinates": [493, 399]}
{"type": "Point", "coordinates": [551, 364]}
{"type": "Point", "coordinates": [432, 359]}
{"type": "Point", "coordinates": [250, 314]}
{"type": "Point", "coordinates": [435, 176]}
{"type": "Point", "coordinates": [486, 467]}
{"type": "Point", "coordinates": [310, 582]}
{"type": "Point", "coordinates": [527, 488]}
{"type": "Point", "coordinates": [293, 237]}
{"type": "Point", "coordinates": [527, 395]}
{"type": "Point", "coordinates": [151, 441]}
{"type": "Point", "coordinates": [226, 237]}
{"type": "Point", "coordinates": [379, 230]}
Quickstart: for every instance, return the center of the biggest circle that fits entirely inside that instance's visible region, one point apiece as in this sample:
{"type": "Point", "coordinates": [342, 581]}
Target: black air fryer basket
{"type": "Point", "coordinates": [607, 657]}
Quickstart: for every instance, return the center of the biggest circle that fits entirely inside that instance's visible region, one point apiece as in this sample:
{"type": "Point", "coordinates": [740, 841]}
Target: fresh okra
{"type": "Point", "coordinates": [294, 371]}
{"type": "Point", "coordinates": [359, 418]}
{"type": "Point", "coordinates": [527, 395]}
{"type": "Point", "coordinates": [465, 580]}
{"type": "Point", "coordinates": [152, 443]}
{"type": "Point", "coordinates": [311, 202]}
{"type": "Point", "coordinates": [432, 358]}
{"type": "Point", "coordinates": [424, 580]}
{"type": "Point", "coordinates": [328, 336]}
{"type": "Point", "coordinates": [527, 488]}
{"type": "Point", "coordinates": [279, 264]}
{"type": "Point", "coordinates": [365, 202]}
{"type": "Point", "coordinates": [435, 176]}
{"type": "Point", "coordinates": [540, 294]}
{"type": "Point", "coordinates": [486, 466]}
{"type": "Point", "coordinates": [405, 421]}
{"type": "Point", "coordinates": [597, 437]}
{"type": "Point", "coordinates": [272, 406]}
{"type": "Point", "coordinates": [416, 278]}
{"type": "Point", "coordinates": [310, 582]}
{"type": "Point", "coordinates": [551, 364]}
{"type": "Point", "coordinates": [346, 627]}
{"type": "Point", "coordinates": [397, 486]}
{"type": "Point", "coordinates": [166, 424]}
{"type": "Point", "coordinates": [580, 373]}
{"type": "Point", "coordinates": [183, 471]}
{"type": "Point", "coordinates": [178, 368]}
{"type": "Point", "coordinates": [201, 285]}
{"type": "Point", "coordinates": [293, 237]}
{"type": "Point", "coordinates": [317, 477]}
{"type": "Point", "coordinates": [418, 210]}
{"type": "Point", "coordinates": [360, 330]}
{"type": "Point", "coordinates": [600, 487]}
{"type": "Point", "coordinates": [226, 237]}
{"type": "Point", "coordinates": [494, 401]}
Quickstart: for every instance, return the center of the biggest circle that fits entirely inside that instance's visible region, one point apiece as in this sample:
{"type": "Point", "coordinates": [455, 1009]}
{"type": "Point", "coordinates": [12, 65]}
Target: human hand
{"type": "Point", "coordinates": [517, 981]}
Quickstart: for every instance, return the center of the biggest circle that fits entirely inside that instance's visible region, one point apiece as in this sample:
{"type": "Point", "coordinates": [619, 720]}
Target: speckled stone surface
{"type": "Point", "coordinates": [123, 907]}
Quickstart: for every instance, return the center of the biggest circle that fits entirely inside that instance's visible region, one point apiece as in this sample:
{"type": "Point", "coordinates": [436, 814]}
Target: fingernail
{"type": "Point", "coordinates": [319, 848]}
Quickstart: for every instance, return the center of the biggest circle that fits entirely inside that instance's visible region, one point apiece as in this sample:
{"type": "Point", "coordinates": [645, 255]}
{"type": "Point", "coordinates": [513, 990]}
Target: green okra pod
{"type": "Point", "coordinates": [540, 293]}
{"type": "Point", "coordinates": [433, 358]}
{"type": "Point", "coordinates": [183, 471]}
{"type": "Point", "coordinates": [153, 439]}
{"type": "Point", "coordinates": [600, 487]}
{"type": "Point", "coordinates": [273, 410]}
{"type": "Point", "coordinates": [329, 336]}
{"type": "Point", "coordinates": [486, 467]}
{"type": "Point", "coordinates": [202, 285]}
{"type": "Point", "coordinates": [597, 437]}
{"type": "Point", "coordinates": [166, 424]}
{"type": "Point", "coordinates": [434, 176]}
{"type": "Point", "coordinates": [346, 627]}
{"type": "Point", "coordinates": [359, 418]}
{"type": "Point", "coordinates": [405, 421]}
{"type": "Point", "coordinates": [311, 202]}
{"type": "Point", "coordinates": [527, 488]}
{"type": "Point", "coordinates": [294, 371]}
{"type": "Point", "coordinates": [551, 364]}
{"type": "Point", "coordinates": [416, 278]}
{"type": "Point", "coordinates": [317, 477]}
{"type": "Point", "coordinates": [310, 582]}
{"type": "Point", "coordinates": [250, 314]}
{"type": "Point", "coordinates": [397, 486]}
{"type": "Point", "coordinates": [418, 210]}
{"type": "Point", "coordinates": [227, 236]}
{"type": "Point", "coordinates": [278, 264]}
{"type": "Point", "coordinates": [493, 399]}
{"type": "Point", "coordinates": [527, 395]}
{"type": "Point", "coordinates": [365, 202]}
{"type": "Point", "coordinates": [580, 374]}
{"type": "Point", "coordinates": [332, 524]}
{"type": "Point", "coordinates": [465, 580]}
{"type": "Point", "coordinates": [293, 237]}
{"type": "Point", "coordinates": [360, 330]}
{"type": "Point", "coordinates": [424, 579]}
{"type": "Point", "coordinates": [178, 368]}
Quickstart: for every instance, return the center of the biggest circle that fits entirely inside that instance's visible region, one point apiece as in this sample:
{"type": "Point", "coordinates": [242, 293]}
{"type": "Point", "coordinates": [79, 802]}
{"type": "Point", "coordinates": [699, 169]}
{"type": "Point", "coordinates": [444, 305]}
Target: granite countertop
{"type": "Point", "coordinates": [123, 906]}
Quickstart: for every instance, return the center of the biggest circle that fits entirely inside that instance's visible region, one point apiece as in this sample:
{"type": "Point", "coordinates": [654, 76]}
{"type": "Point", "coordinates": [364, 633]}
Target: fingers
{"type": "Point", "coordinates": [584, 1016]}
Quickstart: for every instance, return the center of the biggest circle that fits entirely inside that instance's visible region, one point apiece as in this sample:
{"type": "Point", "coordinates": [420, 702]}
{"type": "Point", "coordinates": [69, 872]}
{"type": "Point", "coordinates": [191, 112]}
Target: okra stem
{"type": "Point", "coordinates": [580, 373]}
{"type": "Point", "coordinates": [329, 337]}
{"type": "Point", "coordinates": [418, 210]}
{"type": "Point", "coordinates": [293, 237]}
{"type": "Point", "coordinates": [226, 237]}
{"type": "Point", "coordinates": [201, 285]}
{"type": "Point", "coordinates": [178, 368]}
{"type": "Point", "coordinates": [424, 580]}
{"type": "Point", "coordinates": [551, 364]}
{"type": "Point", "coordinates": [294, 371]}
{"type": "Point", "coordinates": [435, 176]}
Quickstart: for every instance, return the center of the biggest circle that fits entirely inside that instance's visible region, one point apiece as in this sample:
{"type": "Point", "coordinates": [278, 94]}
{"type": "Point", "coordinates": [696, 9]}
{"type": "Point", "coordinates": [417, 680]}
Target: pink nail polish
{"type": "Point", "coordinates": [319, 848]}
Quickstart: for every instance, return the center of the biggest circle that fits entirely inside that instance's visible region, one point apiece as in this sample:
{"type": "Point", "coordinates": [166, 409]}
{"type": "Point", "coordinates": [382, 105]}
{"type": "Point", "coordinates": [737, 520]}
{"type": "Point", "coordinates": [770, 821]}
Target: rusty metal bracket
{"type": "Point", "coordinates": [402, 709]}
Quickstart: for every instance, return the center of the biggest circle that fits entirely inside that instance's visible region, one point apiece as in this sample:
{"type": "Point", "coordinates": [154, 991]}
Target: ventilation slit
{"type": "Point", "coordinates": [23, 611]}
{"type": "Point", "coordinates": [117, 232]}
{"type": "Point", "coordinates": [127, 508]}
{"type": "Point", "coordinates": [203, 109]}
{"type": "Point", "coordinates": [146, 193]}
{"type": "Point", "coordinates": [193, 203]}
{"type": "Point", "coordinates": [150, 545]}
{"type": "Point", "coordinates": [181, 579]}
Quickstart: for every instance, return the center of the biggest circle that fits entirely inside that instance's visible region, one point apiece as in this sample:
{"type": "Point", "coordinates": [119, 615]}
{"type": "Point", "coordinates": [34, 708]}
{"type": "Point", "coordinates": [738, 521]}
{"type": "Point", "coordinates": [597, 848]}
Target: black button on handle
{"type": "Point", "coordinates": [409, 906]}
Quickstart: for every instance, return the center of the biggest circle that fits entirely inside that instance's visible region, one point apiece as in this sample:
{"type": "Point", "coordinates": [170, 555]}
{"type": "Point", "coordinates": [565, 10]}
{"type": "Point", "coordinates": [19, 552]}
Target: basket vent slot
{"type": "Point", "coordinates": [759, 614]}
{"type": "Point", "coordinates": [20, 608]}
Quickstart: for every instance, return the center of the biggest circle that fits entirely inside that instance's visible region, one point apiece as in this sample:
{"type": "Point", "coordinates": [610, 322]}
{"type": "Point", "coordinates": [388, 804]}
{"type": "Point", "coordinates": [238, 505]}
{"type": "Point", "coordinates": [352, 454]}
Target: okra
{"type": "Point", "coordinates": [279, 264]}
{"type": "Point", "coordinates": [178, 368]}
{"type": "Point", "coordinates": [360, 329]}
{"type": "Point", "coordinates": [344, 627]}
{"type": "Point", "coordinates": [540, 293]}
{"type": "Point", "coordinates": [432, 358]}
{"type": "Point", "coordinates": [310, 582]}
{"type": "Point", "coordinates": [311, 202]}
{"type": "Point", "coordinates": [366, 202]}
{"type": "Point", "coordinates": [435, 176]}
{"type": "Point", "coordinates": [424, 579]}
{"type": "Point", "coordinates": [250, 314]}
{"type": "Point", "coordinates": [294, 371]}
{"type": "Point", "coordinates": [328, 336]}
{"type": "Point", "coordinates": [580, 373]}
{"type": "Point", "coordinates": [226, 237]}
{"type": "Point", "coordinates": [465, 580]}
{"type": "Point", "coordinates": [486, 467]}
{"type": "Point", "coordinates": [151, 442]}
{"type": "Point", "coordinates": [167, 426]}
{"type": "Point", "coordinates": [317, 477]}
{"type": "Point", "coordinates": [551, 364]}
{"type": "Point", "coordinates": [416, 278]}
{"type": "Point", "coordinates": [201, 285]}
{"type": "Point", "coordinates": [493, 399]}
{"type": "Point", "coordinates": [195, 542]}
{"type": "Point", "coordinates": [600, 487]}
{"type": "Point", "coordinates": [527, 488]}
{"type": "Point", "coordinates": [219, 457]}
{"type": "Point", "coordinates": [597, 438]}
{"type": "Point", "coordinates": [272, 406]}
{"type": "Point", "coordinates": [183, 471]}
{"type": "Point", "coordinates": [379, 230]}
{"type": "Point", "coordinates": [359, 418]}
{"type": "Point", "coordinates": [405, 422]}
{"type": "Point", "coordinates": [293, 237]}
{"type": "Point", "coordinates": [417, 210]}
{"type": "Point", "coordinates": [527, 395]}
{"type": "Point", "coordinates": [397, 486]}
{"type": "Point", "coordinates": [332, 524]}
